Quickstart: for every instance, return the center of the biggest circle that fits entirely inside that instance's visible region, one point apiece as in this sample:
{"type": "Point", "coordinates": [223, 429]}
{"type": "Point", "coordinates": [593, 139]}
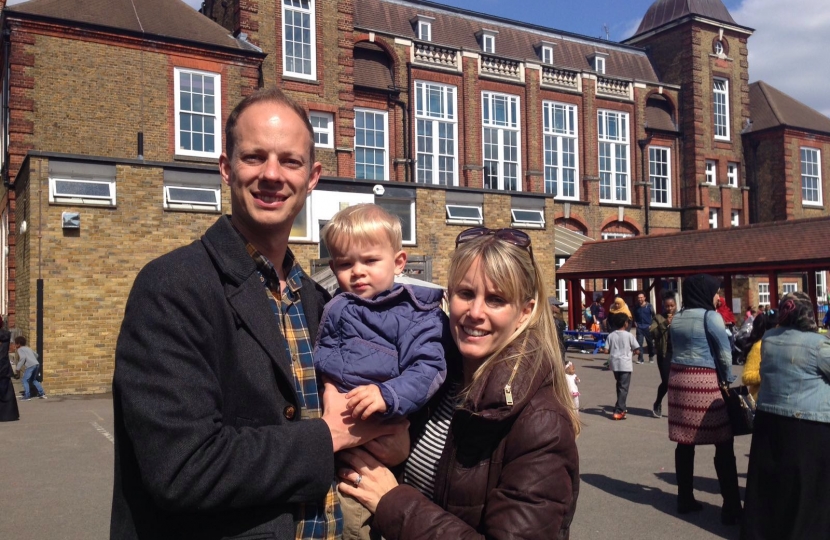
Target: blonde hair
{"type": "Point", "coordinates": [362, 223]}
{"type": "Point", "coordinates": [519, 281]}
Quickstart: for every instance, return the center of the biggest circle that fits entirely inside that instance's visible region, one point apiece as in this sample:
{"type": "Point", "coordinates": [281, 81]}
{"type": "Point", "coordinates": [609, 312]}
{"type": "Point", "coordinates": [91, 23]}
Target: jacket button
{"type": "Point", "coordinates": [289, 412]}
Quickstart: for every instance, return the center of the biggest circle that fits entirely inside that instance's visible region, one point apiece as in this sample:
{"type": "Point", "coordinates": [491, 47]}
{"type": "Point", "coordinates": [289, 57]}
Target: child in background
{"type": "Point", "coordinates": [621, 346]}
{"type": "Point", "coordinates": [383, 343]}
{"type": "Point", "coordinates": [29, 364]}
{"type": "Point", "coordinates": [573, 383]}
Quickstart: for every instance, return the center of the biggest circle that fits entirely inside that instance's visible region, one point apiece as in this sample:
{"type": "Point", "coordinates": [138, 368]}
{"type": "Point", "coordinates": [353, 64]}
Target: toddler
{"type": "Point", "coordinates": [383, 343]}
{"type": "Point", "coordinates": [621, 347]}
{"type": "Point", "coordinates": [573, 383]}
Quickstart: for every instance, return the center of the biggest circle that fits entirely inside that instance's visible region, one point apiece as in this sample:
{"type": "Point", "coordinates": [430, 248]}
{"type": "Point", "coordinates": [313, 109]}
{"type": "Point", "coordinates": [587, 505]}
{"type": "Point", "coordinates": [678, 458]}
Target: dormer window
{"type": "Point", "coordinates": [719, 48]}
{"type": "Point", "coordinates": [598, 62]}
{"type": "Point", "coordinates": [423, 27]}
{"type": "Point", "coordinates": [546, 49]}
{"type": "Point", "coordinates": [488, 40]}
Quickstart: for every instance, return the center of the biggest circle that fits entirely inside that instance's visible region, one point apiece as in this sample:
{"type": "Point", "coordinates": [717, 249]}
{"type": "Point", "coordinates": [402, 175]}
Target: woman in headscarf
{"type": "Point", "coordinates": [788, 483]}
{"type": "Point", "coordinates": [697, 412]}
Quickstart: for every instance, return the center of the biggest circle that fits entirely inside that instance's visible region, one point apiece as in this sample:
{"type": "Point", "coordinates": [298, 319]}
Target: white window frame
{"type": "Point", "coordinates": [296, 7]}
{"type": "Point", "coordinates": [713, 218]}
{"type": "Point", "coordinates": [547, 54]}
{"type": "Point", "coordinates": [407, 240]}
{"type": "Point", "coordinates": [327, 130]}
{"type": "Point", "coordinates": [811, 170]}
{"type": "Point", "coordinates": [763, 294]}
{"type": "Point", "coordinates": [488, 42]}
{"type": "Point", "coordinates": [736, 218]}
{"type": "Point", "coordinates": [599, 64]}
{"type": "Point", "coordinates": [55, 197]}
{"type": "Point", "coordinates": [428, 147]}
{"type": "Point", "coordinates": [554, 141]}
{"type": "Point", "coordinates": [384, 148]}
{"type": "Point", "coordinates": [502, 129]}
{"type": "Point", "coordinates": [527, 221]}
{"type": "Point", "coordinates": [659, 170]}
{"type": "Point", "coordinates": [611, 183]}
{"type": "Point", "coordinates": [464, 220]}
{"type": "Point", "coordinates": [711, 172]}
{"type": "Point", "coordinates": [821, 284]}
{"type": "Point", "coordinates": [217, 113]}
{"type": "Point", "coordinates": [720, 108]}
{"type": "Point", "coordinates": [787, 288]}
{"type": "Point", "coordinates": [719, 48]}
{"type": "Point", "coordinates": [561, 284]}
{"type": "Point", "coordinates": [170, 204]}
{"type": "Point", "coordinates": [732, 174]}
{"type": "Point", "coordinates": [424, 30]}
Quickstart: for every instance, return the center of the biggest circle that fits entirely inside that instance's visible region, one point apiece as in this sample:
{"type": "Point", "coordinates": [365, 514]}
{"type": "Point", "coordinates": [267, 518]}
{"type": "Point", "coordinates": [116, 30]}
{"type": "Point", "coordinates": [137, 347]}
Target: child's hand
{"type": "Point", "coordinates": [577, 381]}
{"type": "Point", "coordinates": [365, 400]}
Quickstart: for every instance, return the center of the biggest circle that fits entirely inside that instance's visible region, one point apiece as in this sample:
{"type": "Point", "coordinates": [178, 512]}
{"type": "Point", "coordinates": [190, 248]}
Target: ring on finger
{"type": "Point", "coordinates": [359, 479]}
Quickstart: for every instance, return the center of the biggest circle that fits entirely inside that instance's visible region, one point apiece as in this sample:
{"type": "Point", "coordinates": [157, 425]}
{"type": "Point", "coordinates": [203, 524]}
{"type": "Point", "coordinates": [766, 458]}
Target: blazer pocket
{"type": "Point", "coordinates": [241, 421]}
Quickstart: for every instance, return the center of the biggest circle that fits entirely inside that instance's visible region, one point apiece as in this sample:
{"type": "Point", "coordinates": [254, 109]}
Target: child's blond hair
{"type": "Point", "coordinates": [362, 223]}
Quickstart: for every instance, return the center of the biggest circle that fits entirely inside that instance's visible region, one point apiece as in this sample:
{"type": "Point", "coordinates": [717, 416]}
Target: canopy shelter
{"type": "Point", "coordinates": [766, 249]}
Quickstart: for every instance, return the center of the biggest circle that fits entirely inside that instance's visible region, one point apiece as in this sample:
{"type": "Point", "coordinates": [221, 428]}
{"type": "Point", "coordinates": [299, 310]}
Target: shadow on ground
{"type": "Point", "coordinates": [665, 501]}
{"type": "Point", "coordinates": [709, 485]}
{"type": "Point", "coordinates": [608, 410]}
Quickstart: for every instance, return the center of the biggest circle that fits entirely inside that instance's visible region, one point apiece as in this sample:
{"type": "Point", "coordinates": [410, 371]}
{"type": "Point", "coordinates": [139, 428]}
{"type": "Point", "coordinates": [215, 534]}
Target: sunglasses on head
{"type": "Point", "coordinates": [512, 236]}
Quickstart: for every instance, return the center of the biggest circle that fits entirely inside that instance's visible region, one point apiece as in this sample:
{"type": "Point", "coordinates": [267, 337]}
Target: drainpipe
{"type": "Point", "coordinates": [394, 97]}
{"type": "Point", "coordinates": [643, 143]}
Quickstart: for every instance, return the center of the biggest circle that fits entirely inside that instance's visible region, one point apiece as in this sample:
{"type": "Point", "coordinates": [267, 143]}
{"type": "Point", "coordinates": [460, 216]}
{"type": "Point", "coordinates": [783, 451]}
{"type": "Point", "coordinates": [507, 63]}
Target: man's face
{"type": "Point", "coordinates": [641, 299]}
{"type": "Point", "coordinates": [270, 173]}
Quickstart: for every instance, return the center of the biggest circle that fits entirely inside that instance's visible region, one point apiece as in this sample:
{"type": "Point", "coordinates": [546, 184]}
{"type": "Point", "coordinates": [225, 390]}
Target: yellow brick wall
{"type": "Point", "coordinates": [88, 274]}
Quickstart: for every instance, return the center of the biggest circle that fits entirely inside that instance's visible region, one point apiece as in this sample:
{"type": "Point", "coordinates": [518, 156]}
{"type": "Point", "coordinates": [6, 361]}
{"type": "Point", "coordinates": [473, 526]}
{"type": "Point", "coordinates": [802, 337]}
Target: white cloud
{"type": "Point", "coordinates": [789, 49]}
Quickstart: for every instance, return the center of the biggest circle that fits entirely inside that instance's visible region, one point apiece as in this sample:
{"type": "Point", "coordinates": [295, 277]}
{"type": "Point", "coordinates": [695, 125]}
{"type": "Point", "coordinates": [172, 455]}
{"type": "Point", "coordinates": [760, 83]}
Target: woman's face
{"type": "Point", "coordinates": [670, 306]}
{"type": "Point", "coordinates": [481, 319]}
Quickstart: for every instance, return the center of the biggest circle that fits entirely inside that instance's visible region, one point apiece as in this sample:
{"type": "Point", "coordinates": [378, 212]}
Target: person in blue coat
{"type": "Point", "coordinates": [383, 343]}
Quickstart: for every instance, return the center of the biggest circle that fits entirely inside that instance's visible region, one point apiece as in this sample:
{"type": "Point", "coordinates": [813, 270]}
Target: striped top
{"type": "Point", "coordinates": [422, 465]}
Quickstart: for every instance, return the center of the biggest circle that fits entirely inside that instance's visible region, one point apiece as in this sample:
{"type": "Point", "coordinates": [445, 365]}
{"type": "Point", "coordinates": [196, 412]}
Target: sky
{"type": "Point", "coordinates": [788, 49]}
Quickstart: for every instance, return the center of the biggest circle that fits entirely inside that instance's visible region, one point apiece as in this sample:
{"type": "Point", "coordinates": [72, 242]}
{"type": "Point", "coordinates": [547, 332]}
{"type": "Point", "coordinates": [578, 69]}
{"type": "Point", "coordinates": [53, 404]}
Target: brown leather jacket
{"type": "Point", "coordinates": [505, 472]}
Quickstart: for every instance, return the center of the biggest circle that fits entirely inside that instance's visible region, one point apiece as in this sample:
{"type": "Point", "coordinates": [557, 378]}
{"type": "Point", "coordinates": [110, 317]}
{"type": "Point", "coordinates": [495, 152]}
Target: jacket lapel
{"type": "Point", "coordinates": [245, 293]}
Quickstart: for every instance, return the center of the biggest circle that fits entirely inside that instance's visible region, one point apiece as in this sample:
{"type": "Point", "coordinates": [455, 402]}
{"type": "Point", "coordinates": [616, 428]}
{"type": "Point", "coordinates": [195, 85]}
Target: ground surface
{"type": "Point", "coordinates": [56, 482]}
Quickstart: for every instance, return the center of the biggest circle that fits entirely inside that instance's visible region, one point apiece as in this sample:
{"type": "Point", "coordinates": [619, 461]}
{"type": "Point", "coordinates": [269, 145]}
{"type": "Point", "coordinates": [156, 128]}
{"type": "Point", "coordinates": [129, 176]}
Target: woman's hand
{"type": "Point", "coordinates": [364, 478]}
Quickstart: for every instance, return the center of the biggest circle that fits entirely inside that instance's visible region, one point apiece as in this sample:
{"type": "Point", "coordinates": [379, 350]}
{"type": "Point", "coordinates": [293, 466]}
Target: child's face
{"type": "Point", "coordinates": [570, 370]}
{"type": "Point", "coordinates": [366, 270]}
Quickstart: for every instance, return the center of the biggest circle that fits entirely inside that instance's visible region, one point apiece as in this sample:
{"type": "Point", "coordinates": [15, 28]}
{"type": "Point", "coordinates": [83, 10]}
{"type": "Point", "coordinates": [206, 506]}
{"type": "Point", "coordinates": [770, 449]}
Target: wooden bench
{"type": "Point", "coordinates": [584, 340]}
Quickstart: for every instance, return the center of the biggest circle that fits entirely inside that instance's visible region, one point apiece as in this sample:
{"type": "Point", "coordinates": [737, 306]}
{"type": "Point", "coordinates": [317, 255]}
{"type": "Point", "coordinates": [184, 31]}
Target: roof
{"type": "Point", "coordinates": [796, 245]}
{"type": "Point", "coordinates": [457, 28]}
{"type": "Point", "coordinates": [164, 18]}
{"type": "Point", "coordinates": [566, 241]}
{"type": "Point", "coordinates": [663, 12]}
{"type": "Point", "coordinates": [772, 108]}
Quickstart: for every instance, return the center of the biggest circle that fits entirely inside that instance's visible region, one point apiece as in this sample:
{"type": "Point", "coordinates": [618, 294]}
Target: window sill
{"type": "Point", "coordinates": [196, 159]}
{"type": "Point", "coordinates": [298, 79]}
{"type": "Point", "coordinates": [811, 204]}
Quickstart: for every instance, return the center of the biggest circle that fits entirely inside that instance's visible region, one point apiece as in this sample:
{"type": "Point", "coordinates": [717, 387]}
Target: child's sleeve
{"type": "Point", "coordinates": [422, 363]}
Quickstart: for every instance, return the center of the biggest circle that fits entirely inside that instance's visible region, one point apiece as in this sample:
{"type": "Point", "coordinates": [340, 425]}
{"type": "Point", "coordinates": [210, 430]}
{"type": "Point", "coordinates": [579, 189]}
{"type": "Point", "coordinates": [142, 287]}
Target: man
{"type": "Point", "coordinates": [560, 324]}
{"type": "Point", "coordinates": [218, 428]}
{"type": "Point", "coordinates": [643, 315]}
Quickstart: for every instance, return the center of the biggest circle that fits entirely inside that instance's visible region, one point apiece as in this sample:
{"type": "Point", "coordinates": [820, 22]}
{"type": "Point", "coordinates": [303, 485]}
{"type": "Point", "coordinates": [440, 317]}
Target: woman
{"type": "Point", "coordinates": [662, 342]}
{"type": "Point", "coordinates": [508, 464]}
{"type": "Point", "coordinates": [8, 401]}
{"type": "Point", "coordinates": [697, 412]}
{"type": "Point", "coordinates": [788, 482]}
{"type": "Point", "coordinates": [751, 376]}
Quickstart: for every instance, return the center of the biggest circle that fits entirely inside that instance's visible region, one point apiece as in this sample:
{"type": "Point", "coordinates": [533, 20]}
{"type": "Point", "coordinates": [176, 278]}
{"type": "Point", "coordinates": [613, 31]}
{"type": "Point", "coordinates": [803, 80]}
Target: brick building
{"type": "Point", "coordinates": [446, 117]}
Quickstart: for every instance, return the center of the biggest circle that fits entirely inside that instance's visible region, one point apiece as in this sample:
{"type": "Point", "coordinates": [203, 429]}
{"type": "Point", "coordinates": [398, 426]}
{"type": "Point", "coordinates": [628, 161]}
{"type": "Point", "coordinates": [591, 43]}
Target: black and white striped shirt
{"type": "Point", "coordinates": [422, 465]}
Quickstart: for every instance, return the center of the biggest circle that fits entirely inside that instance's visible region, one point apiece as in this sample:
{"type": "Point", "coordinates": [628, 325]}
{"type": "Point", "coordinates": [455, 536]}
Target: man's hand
{"type": "Point", "coordinates": [347, 432]}
{"type": "Point", "coordinates": [365, 400]}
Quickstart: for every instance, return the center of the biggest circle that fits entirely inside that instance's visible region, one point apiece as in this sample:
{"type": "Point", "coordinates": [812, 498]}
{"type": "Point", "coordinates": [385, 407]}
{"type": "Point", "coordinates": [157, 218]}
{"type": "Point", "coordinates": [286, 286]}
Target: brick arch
{"type": "Point", "coordinates": [382, 43]}
{"type": "Point", "coordinates": [667, 97]}
{"type": "Point", "coordinates": [573, 223]}
{"type": "Point", "coordinates": [627, 225]}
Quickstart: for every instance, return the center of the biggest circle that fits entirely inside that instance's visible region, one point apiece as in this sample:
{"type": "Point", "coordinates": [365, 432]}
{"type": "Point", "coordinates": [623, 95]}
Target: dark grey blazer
{"type": "Point", "coordinates": [206, 445]}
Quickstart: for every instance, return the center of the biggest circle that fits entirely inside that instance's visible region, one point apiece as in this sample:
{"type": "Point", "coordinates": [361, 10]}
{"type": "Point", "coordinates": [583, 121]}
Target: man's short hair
{"type": "Point", "coordinates": [266, 95]}
{"type": "Point", "coordinates": [363, 224]}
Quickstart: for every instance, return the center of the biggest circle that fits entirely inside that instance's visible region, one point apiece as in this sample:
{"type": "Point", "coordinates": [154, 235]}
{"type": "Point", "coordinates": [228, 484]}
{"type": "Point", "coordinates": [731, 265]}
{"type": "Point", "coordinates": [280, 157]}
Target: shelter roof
{"type": "Point", "coordinates": [457, 28]}
{"type": "Point", "coordinates": [663, 12]}
{"type": "Point", "coordinates": [566, 241]}
{"type": "Point", "coordinates": [789, 245]}
{"type": "Point", "coordinates": [164, 18]}
{"type": "Point", "coordinates": [772, 108]}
